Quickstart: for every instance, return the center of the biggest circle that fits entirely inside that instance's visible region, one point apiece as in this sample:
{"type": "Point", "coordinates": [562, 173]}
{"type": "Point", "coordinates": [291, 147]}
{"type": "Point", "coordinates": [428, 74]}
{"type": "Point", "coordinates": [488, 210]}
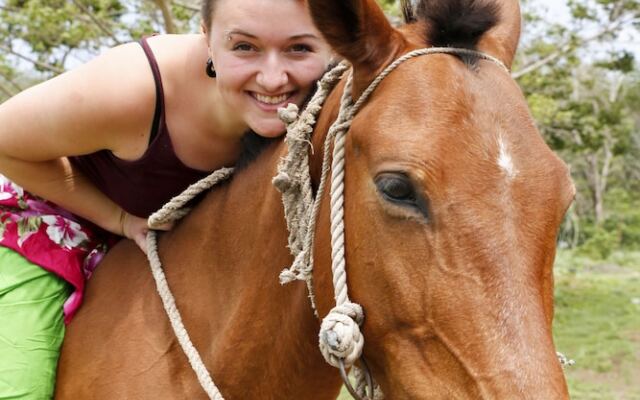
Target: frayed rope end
{"type": "Point", "coordinates": [287, 276]}
{"type": "Point", "coordinates": [288, 114]}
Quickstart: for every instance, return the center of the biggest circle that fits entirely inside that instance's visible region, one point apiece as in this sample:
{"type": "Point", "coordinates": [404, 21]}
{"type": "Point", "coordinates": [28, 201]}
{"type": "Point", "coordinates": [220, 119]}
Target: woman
{"type": "Point", "coordinates": [109, 142]}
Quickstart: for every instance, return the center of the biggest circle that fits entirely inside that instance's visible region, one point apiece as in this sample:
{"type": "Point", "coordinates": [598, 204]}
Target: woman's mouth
{"type": "Point", "coordinates": [272, 102]}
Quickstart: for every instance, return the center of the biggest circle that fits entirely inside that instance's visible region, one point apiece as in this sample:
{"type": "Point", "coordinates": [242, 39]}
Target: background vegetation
{"type": "Point", "coordinates": [580, 76]}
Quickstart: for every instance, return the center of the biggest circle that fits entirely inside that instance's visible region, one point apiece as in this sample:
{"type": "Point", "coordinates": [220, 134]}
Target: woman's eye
{"type": "Point", "coordinates": [396, 187]}
{"type": "Point", "coordinates": [300, 48]}
{"type": "Point", "coordinates": [242, 47]}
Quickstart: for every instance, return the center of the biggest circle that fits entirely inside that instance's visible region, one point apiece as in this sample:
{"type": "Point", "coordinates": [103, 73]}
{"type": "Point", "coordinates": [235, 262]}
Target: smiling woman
{"type": "Point", "coordinates": [261, 66]}
{"type": "Point", "coordinates": [87, 156]}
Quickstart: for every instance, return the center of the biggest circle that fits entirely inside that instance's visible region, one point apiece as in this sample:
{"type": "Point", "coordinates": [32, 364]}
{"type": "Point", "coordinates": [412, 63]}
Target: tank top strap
{"type": "Point", "coordinates": [158, 115]}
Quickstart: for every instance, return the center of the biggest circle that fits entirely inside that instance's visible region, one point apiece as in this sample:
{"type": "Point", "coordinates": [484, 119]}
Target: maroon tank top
{"type": "Point", "coordinates": [142, 186]}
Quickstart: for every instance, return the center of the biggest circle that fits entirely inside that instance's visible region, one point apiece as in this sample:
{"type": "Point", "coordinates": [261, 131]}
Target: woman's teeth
{"type": "Point", "coordinates": [271, 99]}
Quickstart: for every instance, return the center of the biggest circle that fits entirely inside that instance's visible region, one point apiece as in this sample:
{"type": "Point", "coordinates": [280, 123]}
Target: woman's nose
{"type": "Point", "coordinates": [273, 75]}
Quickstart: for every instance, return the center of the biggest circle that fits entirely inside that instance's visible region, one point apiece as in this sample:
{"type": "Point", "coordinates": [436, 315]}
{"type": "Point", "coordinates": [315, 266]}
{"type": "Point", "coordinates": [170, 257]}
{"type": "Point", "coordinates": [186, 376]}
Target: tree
{"type": "Point", "coordinates": [582, 99]}
{"type": "Point", "coordinates": [42, 38]}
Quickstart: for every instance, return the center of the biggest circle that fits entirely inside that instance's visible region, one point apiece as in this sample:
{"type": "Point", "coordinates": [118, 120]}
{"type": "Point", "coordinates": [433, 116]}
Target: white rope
{"type": "Point", "coordinates": [170, 212]}
{"type": "Point", "coordinates": [176, 322]}
{"type": "Point", "coordinates": [294, 182]}
{"type": "Point", "coordinates": [175, 209]}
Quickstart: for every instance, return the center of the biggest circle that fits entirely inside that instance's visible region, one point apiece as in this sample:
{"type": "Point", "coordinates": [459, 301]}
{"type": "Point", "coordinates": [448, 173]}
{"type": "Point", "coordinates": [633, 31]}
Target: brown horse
{"type": "Point", "coordinates": [453, 203]}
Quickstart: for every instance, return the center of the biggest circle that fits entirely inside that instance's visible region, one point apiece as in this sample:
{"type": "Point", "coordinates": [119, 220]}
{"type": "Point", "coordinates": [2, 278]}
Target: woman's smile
{"type": "Point", "coordinates": [272, 102]}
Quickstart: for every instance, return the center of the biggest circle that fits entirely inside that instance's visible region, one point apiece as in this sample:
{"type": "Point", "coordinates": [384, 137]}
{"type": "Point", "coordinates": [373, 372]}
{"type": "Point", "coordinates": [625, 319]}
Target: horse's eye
{"type": "Point", "coordinates": [396, 187]}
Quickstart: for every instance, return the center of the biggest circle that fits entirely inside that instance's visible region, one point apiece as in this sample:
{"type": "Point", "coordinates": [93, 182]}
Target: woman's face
{"type": "Point", "coordinates": [266, 53]}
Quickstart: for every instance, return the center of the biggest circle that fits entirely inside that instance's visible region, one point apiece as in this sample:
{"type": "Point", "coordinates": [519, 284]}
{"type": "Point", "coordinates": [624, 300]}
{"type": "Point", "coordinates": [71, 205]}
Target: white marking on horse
{"type": "Point", "coordinates": [504, 159]}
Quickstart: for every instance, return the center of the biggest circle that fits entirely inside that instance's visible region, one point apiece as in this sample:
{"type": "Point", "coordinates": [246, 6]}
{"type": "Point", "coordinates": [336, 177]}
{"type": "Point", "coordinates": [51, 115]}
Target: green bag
{"type": "Point", "coordinates": [31, 327]}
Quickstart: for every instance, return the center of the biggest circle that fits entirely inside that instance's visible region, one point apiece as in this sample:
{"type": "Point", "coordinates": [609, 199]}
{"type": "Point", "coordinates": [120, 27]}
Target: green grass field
{"type": "Point", "coordinates": [597, 324]}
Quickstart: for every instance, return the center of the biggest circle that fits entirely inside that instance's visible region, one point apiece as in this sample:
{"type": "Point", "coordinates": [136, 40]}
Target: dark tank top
{"type": "Point", "coordinates": [142, 186]}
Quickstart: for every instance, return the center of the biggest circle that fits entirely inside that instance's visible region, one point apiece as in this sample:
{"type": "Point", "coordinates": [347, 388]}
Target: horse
{"type": "Point", "coordinates": [453, 202]}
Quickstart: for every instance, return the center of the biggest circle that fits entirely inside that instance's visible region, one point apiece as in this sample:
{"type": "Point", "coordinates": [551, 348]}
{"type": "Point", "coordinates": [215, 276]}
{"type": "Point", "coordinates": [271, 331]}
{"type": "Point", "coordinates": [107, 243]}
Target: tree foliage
{"type": "Point", "coordinates": [581, 82]}
{"type": "Point", "coordinates": [582, 88]}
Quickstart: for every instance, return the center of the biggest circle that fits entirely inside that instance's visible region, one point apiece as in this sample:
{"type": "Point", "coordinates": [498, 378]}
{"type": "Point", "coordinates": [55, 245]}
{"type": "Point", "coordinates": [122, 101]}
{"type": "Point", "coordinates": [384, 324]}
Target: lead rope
{"type": "Point", "coordinates": [170, 212]}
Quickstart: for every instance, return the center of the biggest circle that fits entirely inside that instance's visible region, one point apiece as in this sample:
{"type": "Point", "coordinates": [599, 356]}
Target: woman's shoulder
{"type": "Point", "coordinates": [180, 59]}
{"type": "Point", "coordinates": [176, 51]}
{"type": "Point", "coordinates": [173, 41]}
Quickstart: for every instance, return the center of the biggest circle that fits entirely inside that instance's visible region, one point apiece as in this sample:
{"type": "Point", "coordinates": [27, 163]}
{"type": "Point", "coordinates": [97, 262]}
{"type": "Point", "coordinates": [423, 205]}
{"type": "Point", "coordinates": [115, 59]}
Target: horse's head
{"type": "Point", "coordinates": [453, 203]}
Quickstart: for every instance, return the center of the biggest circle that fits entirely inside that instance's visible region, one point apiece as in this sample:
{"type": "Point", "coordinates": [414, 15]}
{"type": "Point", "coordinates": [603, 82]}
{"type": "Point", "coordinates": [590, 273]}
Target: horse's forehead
{"type": "Point", "coordinates": [436, 113]}
{"type": "Point", "coordinates": [437, 101]}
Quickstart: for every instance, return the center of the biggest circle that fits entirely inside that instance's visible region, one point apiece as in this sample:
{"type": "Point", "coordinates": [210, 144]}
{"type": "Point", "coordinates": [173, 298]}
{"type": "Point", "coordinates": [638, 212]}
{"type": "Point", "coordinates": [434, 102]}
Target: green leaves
{"type": "Point", "coordinates": [586, 103]}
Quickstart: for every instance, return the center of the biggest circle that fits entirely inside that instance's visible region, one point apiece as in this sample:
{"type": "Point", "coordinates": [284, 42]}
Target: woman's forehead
{"type": "Point", "coordinates": [278, 13]}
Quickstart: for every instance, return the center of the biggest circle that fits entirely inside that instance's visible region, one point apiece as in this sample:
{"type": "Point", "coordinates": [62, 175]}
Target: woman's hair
{"type": "Point", "coordinates": [207, 12]}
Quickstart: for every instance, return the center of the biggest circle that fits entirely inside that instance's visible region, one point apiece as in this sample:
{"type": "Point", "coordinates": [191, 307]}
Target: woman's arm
{"type": "Point", "coordinates": [107, 103]}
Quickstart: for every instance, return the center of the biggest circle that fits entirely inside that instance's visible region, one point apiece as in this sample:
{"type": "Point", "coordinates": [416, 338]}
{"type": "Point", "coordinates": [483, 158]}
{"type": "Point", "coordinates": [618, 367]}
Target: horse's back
{"type": "Point", "coordinates": [101, 358]}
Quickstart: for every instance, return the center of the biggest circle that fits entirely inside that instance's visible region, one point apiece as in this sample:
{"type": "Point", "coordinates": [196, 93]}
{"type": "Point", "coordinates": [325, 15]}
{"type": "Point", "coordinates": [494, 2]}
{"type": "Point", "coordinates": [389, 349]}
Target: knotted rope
{"type": "Point", "coordinates": [340, 336]}
{"type": "Point", "coordinates": [294, 182]}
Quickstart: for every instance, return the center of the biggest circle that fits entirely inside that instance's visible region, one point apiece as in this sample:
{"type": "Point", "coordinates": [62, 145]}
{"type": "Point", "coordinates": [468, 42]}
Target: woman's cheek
{"type": "Point", "coordinates": [235, 69]}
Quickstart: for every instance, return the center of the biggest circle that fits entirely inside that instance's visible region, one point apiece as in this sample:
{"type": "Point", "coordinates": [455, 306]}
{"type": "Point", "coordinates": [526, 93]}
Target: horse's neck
{"type": "Point", "coordinates": [259, 339]}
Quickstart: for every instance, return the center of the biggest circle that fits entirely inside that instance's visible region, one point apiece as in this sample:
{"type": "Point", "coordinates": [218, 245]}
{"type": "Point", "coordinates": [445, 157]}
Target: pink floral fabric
{"type": "Point", "coordinates": [52, 238]}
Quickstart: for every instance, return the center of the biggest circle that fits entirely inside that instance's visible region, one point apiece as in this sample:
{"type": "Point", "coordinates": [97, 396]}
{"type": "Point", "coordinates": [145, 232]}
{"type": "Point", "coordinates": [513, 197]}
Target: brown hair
{"type": "Point", "coordinates": [206, 11]}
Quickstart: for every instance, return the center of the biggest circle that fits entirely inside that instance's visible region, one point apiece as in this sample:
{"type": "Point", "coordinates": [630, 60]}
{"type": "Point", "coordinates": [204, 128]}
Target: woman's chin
{"type": "Point", "coordinates": [269, 129]}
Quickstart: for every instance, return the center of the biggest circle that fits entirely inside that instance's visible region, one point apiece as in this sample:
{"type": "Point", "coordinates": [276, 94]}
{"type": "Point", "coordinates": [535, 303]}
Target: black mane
{"type": "Point", "coordinates": [453, 23]}
{"type": "Point", "coordinates": [252, 145]}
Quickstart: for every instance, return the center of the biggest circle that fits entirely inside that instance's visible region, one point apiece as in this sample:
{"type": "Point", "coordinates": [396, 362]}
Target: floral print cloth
{"type": "Point", "coordinates": [52, 238]}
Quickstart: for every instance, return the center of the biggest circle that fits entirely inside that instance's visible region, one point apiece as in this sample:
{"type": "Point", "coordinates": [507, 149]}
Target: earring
{"type": "Point", "coordinates": [211, 72]}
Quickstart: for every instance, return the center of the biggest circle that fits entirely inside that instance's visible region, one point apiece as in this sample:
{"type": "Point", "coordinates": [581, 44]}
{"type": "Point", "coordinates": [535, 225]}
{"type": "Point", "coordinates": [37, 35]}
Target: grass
{"type": "Point", "coordinates": [597, 323]}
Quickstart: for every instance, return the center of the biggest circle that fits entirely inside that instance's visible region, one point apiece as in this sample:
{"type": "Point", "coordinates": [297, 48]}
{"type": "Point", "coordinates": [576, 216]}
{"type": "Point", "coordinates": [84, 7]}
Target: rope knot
{"type": "Point", "coordinates": [282, 182]}
{"type": "Point", "coordinates": [288, 114]}
{"type": "Point", "coordinates": [340, 337]}
{"type": "Point", "coordinates": [287, 276]}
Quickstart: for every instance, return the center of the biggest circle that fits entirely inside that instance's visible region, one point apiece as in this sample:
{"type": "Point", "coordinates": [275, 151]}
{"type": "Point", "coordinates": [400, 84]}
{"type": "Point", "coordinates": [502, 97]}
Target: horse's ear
{"type": "Point", "coordinates": [501, 41]}
{"type": "Point", "coordinates": [357, 30]}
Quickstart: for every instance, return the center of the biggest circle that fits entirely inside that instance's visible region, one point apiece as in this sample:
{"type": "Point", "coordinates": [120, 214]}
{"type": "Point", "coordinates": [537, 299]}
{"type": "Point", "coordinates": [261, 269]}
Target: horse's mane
{"type": "Point", "coordinates": [252, 145]}
{"type": "Point", "coordinates": [452, 23]}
